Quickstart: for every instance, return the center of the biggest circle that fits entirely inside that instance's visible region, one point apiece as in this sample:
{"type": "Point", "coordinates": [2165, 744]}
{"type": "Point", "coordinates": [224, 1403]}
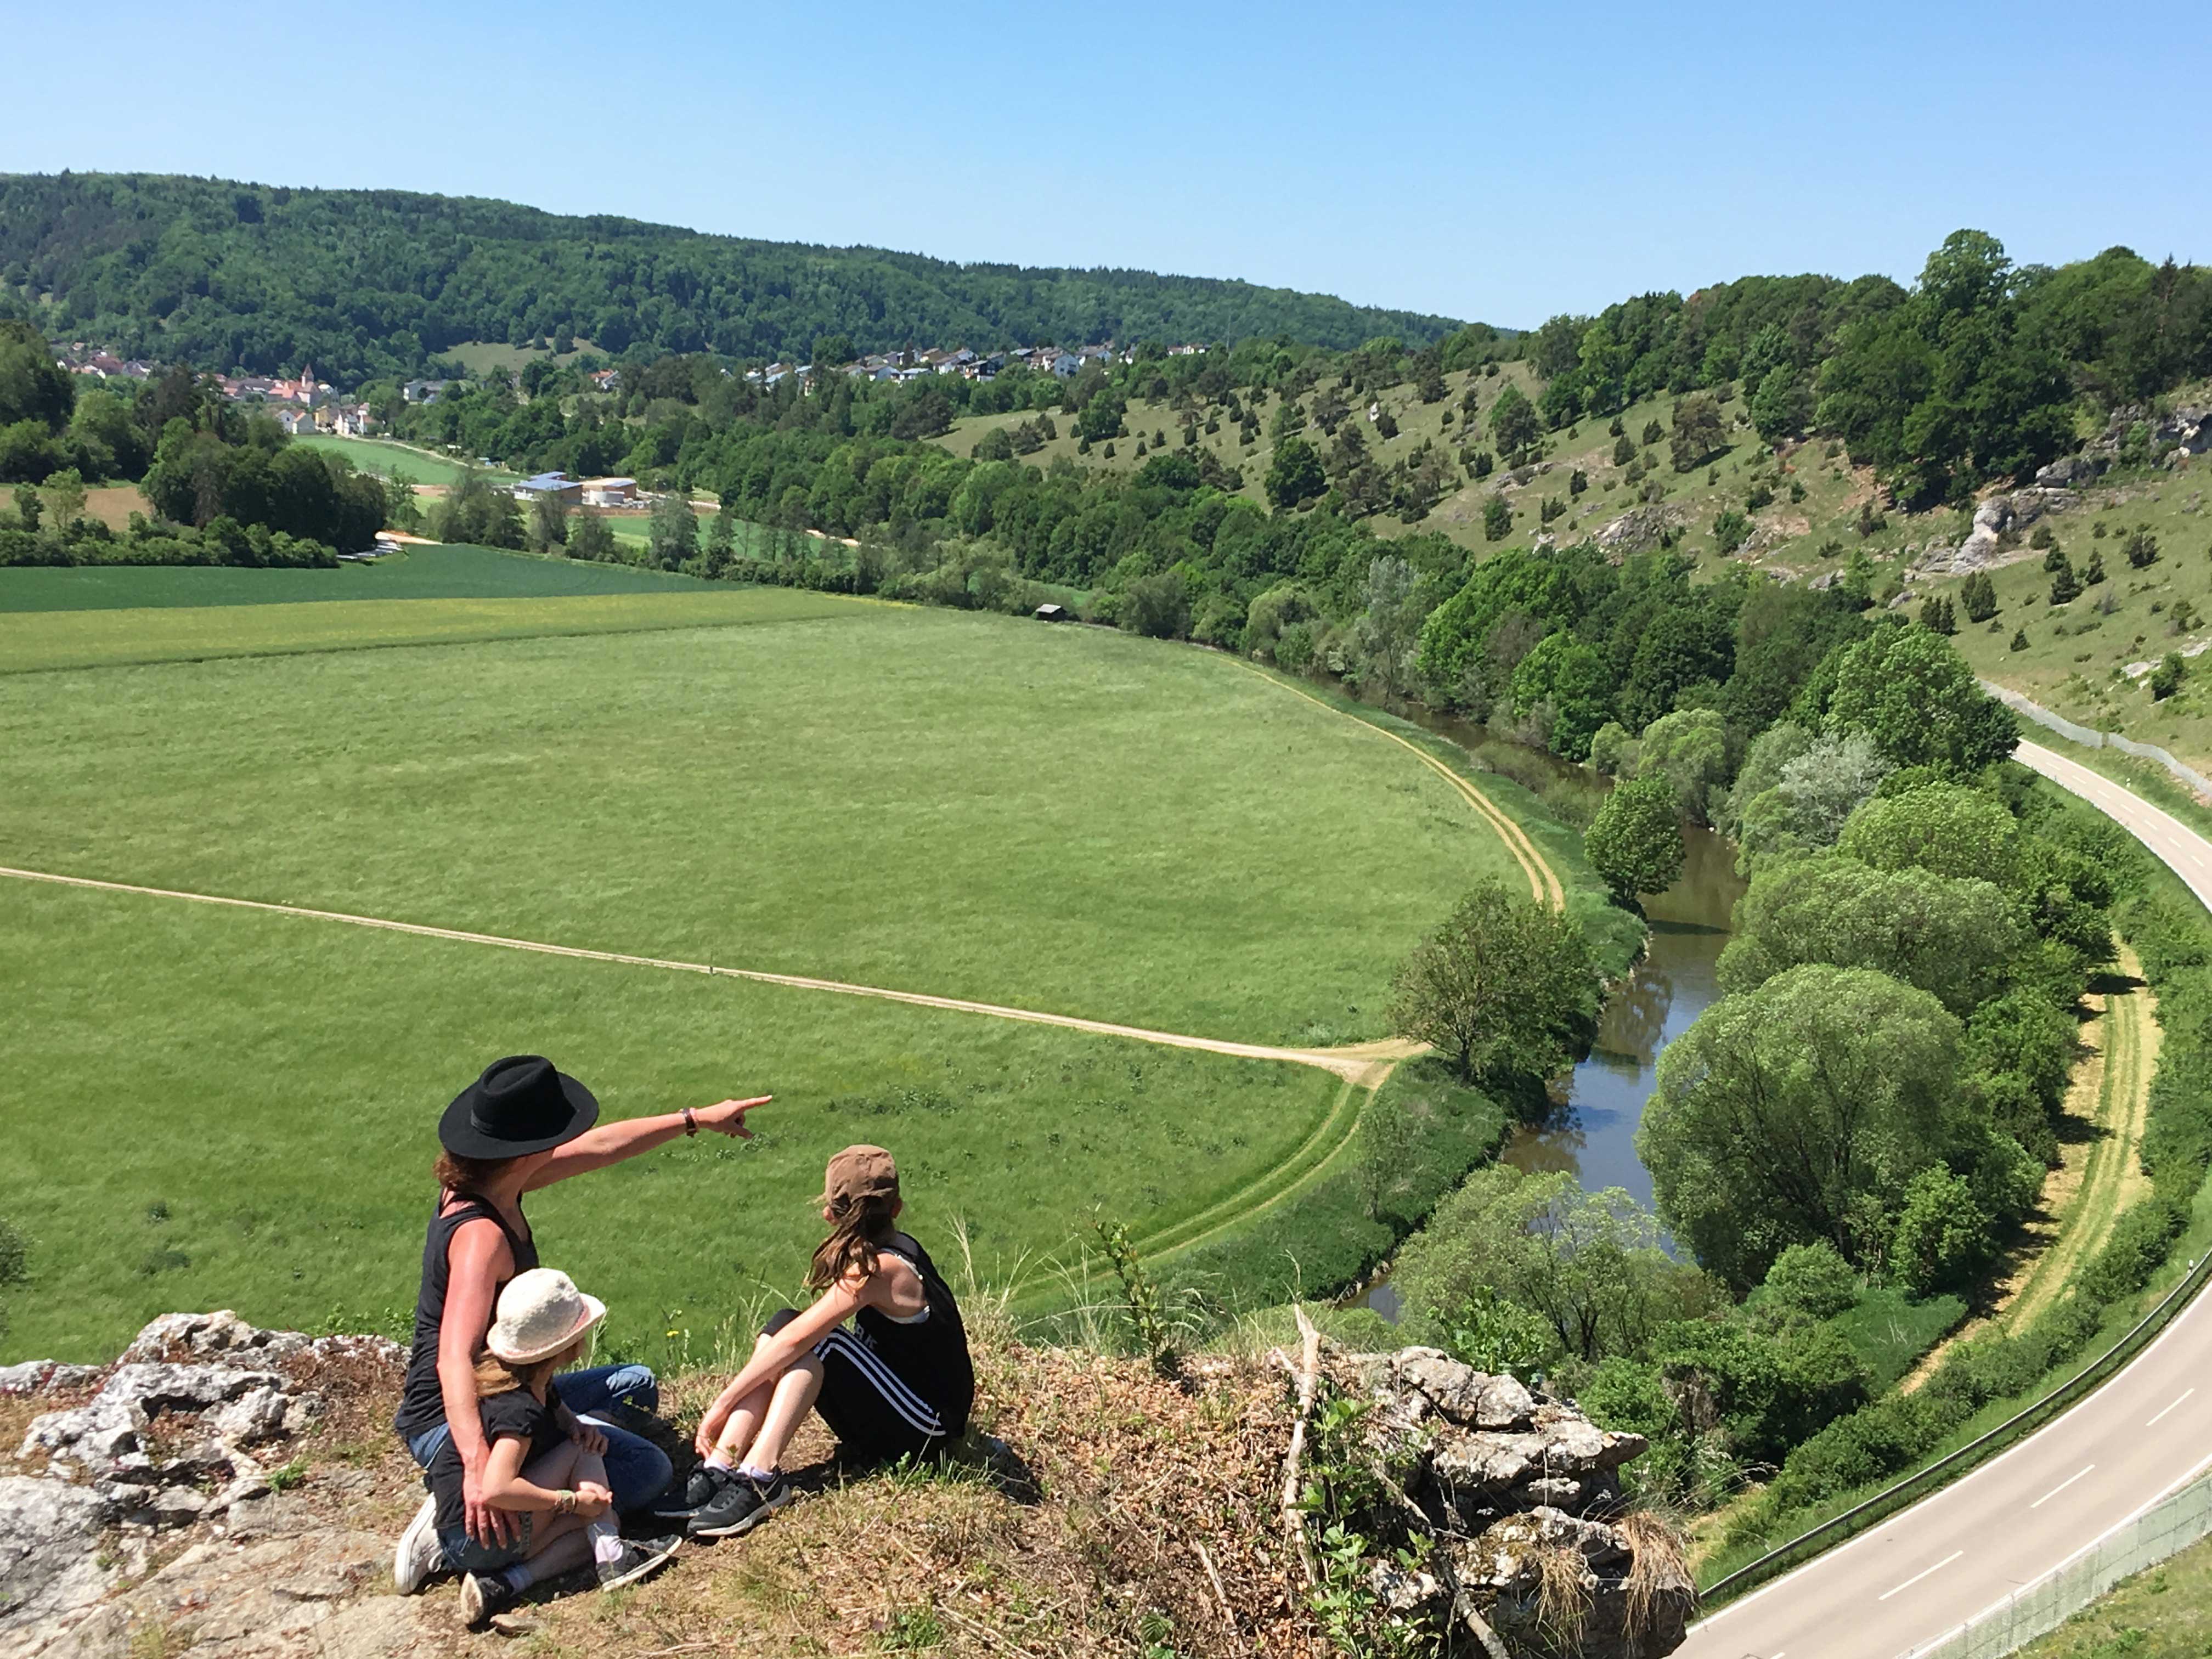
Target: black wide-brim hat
{"type": "Point", "coordinates": [519, 1105]}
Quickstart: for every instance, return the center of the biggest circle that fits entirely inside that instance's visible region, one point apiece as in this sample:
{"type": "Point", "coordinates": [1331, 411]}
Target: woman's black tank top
{"type": "Point", "coordinates": [421, 1403]}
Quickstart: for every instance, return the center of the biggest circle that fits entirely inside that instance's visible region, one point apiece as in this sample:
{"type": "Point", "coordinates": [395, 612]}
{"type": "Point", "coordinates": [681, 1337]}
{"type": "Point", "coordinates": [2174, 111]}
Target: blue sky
{"type": "Point", "coordinates": [1478, 161]}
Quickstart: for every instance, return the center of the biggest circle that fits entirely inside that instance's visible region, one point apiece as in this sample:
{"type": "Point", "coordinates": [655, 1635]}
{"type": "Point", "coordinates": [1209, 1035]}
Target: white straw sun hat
{"type": "Point", "coordinates": [540, 1313]}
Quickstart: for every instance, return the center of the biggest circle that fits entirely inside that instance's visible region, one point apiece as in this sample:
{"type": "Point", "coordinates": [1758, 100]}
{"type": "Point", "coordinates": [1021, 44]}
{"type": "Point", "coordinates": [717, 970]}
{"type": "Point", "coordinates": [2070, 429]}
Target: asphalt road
{"type": "Point", "coordinates": [1953, 1556]}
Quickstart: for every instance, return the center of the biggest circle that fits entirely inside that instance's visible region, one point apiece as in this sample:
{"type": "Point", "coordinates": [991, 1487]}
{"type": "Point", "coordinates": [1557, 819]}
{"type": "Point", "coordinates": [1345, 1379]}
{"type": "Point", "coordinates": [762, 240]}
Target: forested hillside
{"type": "Point", "coordinates": [220, 275]}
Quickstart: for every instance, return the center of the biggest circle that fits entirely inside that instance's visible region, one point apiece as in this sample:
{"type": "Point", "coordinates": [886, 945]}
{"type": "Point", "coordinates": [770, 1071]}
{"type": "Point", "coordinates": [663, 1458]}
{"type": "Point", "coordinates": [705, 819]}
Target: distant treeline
{"type": "Point", "coordinates": [363, 283]}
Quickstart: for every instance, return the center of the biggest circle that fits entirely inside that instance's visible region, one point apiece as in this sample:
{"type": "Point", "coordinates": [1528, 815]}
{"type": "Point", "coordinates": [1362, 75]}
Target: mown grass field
{"type": "Point", "coordinates": [47, 640]}
{"type": "Point", "coordinates": [1066, 819]}
{"type": "Point", "coordinates": [393, 460]}
{"type": "Point", "coordinates": [217, 1106]}
{"type": "Point", "coordinates": [424, 571]}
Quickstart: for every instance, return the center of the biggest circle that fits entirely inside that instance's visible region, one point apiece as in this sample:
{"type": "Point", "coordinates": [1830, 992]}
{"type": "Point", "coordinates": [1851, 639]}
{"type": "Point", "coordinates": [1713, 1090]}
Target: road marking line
{"type": "Point", "coordinates": [1918, 1577]}
{"type": "Point", "coordinates": [2185, 1393]}
{"type": "Point", "coordinates": [2128, 1520]}
{"type": "Point", "coordinates": [2060, 1488]}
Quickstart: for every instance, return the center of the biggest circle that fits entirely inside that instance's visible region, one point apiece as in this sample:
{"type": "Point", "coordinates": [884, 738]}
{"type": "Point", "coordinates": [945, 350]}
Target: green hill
{"type": "Point", "coordinates": [218, 273]}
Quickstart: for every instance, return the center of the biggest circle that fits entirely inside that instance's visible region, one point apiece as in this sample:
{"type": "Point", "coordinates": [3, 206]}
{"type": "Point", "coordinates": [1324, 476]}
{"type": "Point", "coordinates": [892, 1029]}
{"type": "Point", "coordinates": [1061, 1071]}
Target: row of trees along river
{"type": "Point", "coordinates": [1591, 1133]}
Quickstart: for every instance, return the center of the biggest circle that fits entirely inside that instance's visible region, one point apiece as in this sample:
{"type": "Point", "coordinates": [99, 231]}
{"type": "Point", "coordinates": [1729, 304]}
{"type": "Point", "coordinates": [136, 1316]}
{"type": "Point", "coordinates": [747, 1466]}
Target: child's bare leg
{"type": "Point", "coordinates": [792, 1397]}
{"type": "Point", "coordinates": [745, 1420]}
{"type": "Point", "coordinates": [560, 1543]}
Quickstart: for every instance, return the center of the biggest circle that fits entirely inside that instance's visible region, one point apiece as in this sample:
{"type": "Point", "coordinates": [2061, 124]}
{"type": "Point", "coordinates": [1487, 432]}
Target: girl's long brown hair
{"type": "Point", "coordinates": [856, 1225]}
{"type": "Point", "coordinates": [497, 1375]}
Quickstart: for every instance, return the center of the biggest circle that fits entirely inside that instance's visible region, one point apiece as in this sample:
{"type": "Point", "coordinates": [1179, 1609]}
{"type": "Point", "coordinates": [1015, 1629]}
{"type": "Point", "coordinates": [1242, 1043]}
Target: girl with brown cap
{"type": "Point", "coordinates": [898, 1382]}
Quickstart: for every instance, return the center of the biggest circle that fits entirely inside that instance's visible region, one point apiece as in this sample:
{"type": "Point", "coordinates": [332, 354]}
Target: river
{"type": "Point", "coordinates": [1591, 1130]}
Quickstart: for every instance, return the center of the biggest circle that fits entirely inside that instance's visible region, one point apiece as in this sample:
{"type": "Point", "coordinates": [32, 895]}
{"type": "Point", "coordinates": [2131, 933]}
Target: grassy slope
{"type": "Point", "coordinates": [1066, 819]}
{"type": "Point", "coordinates": [441, 572]}
{"type": "Point", "coordinates": [1791, 531]}
{"type": "Point", "coordinates": [2163, 1614]}
{"type": "Point", "coordinates": [2073, 671]}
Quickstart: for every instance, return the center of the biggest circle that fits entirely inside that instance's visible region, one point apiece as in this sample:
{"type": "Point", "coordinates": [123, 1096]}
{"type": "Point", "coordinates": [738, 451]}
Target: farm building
{"type": "Point", "coordinates": [1050, 612]}
{"type": "Point", "coordinates": [558, 485]}
{"type": "Point", "coordinates": [609, 492]}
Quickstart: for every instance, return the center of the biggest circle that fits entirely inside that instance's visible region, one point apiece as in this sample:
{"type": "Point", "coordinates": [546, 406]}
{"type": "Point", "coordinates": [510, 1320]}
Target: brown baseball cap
{"type": "Point", "coordinates": [857, 1173]}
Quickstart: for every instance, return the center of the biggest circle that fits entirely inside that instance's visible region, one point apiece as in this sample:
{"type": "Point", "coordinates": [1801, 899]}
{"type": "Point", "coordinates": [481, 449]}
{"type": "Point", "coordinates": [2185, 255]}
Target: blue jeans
{"type": "Point", "coordinates": [637, 1470]}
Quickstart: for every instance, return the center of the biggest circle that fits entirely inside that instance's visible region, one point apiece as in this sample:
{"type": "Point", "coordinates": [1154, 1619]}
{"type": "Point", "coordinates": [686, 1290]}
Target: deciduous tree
{"type": "Point", "coordinates": [1799, 1111]}
{"type": "Point", "coordinates": [1503, 989]}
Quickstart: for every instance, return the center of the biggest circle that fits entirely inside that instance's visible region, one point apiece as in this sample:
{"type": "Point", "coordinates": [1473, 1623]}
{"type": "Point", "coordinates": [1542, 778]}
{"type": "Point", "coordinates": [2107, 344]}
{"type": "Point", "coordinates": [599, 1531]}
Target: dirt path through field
{"type": "Point", "coordinates": [2112, 1178]}
{"type": "Point", "coordinates": [1363, 1063]}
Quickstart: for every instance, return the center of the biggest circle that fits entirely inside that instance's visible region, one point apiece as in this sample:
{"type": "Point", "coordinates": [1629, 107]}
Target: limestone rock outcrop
{"type": "Point", "coordinates": [161, 1443]}
{"type": "Point", "coordinates": [1520, 1495]}
{"type": "Point", "coordinates": [1996, 519]}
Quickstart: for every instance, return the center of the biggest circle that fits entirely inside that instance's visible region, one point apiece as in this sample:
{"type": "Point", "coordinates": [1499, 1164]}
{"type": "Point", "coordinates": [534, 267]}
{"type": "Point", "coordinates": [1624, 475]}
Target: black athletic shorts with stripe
{"type": "Point", "coordinates": [867, 1406]}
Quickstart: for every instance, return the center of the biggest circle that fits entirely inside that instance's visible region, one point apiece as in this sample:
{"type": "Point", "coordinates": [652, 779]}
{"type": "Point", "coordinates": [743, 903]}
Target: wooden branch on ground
{"type": "Point", "coordinates": [1294, 1526]}
{"type": "Point", "coordinates": [1227, 1612]}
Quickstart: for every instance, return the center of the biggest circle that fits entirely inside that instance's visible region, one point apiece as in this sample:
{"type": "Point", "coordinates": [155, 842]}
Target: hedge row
{"type": "Point", "coordinates": [224, 542]}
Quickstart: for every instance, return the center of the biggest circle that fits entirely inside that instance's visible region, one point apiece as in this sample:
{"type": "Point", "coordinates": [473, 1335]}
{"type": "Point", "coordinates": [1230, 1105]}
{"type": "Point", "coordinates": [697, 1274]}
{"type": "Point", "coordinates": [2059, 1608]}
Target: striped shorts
{"type": "Point", "coordinates": [866, 1404]}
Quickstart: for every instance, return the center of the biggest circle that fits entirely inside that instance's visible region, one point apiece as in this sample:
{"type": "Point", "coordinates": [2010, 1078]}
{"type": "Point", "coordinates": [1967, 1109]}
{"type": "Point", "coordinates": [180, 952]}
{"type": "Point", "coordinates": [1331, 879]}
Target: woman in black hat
{"type": "Point", "coordinates": [519, 1126]}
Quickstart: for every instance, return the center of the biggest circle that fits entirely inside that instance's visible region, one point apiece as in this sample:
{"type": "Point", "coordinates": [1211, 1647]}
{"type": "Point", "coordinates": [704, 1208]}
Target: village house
{"type": "Point", "coordinates": [423, 392]}
{"type": "Point", "coordinates": [606, 379]}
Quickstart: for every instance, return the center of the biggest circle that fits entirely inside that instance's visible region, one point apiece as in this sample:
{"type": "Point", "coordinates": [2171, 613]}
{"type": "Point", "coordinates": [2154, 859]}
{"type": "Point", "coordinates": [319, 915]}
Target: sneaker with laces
{"type": "Point", "coordinates": [484, 1597]}
{"type": "Point", "coordinates": [420, 1553]}
{"type": "Point", "coordinates": [741, 1506]}
{"type": "Point", "coordinates": [706, 1485]}
{"type": "Point", "coordinates": [641, 1557]}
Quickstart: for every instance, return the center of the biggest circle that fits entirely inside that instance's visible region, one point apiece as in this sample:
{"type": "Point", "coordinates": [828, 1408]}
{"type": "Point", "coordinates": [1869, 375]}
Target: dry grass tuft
{"type": "Point", "coordinates": [1563, 1593]}
{"type": "Point", "coordinates": [1659, 1572]}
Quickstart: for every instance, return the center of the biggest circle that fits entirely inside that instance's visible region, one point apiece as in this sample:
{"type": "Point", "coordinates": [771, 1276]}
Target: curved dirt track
{"type": "Point", "coordinates": [1544, 884]}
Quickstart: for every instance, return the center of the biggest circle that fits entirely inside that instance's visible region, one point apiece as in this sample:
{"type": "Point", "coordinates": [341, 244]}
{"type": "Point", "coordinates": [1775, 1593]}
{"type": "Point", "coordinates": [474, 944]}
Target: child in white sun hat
{"type": "Point", "coordinates": [552, 1480]}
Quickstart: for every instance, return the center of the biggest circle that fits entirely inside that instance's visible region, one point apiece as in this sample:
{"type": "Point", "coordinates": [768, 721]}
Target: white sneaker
{"type": "Point", "coordinates": [420, 1553]}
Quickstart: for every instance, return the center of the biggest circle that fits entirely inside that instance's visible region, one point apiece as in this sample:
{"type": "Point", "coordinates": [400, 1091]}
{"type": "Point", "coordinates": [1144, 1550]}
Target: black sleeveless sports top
{"type": "Point", "coordinates": [421, 1403]}
{"type": "Point", "coordinates": [930, 1351]}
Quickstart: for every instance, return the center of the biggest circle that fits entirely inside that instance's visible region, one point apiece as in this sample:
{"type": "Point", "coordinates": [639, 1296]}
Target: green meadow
{"type": "Point", "coordinates": [1069, 819]}
{"type": "Point", "coordinates": [217, 1105]}
{"type": "Point", "coordinates": [393, 460]}
{"type": "Point", "coordinates": [221, 1108]}
{"type": "Point", "coordinates": [49, 640]}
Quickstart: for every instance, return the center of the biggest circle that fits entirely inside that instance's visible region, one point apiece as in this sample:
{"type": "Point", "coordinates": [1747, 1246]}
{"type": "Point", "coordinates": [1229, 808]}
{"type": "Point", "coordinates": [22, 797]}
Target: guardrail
{"type": "Point", "coordinates": [2090, 738]}
{"type": "Point", "coordinates": [1926, 1479]}
{"type": "Point", "coordinates": [2163, 1530]}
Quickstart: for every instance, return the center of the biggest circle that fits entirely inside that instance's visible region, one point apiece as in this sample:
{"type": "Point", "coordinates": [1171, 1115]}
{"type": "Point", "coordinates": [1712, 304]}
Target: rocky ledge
{"type": "Point", "coordinates": [187, 1429]}
{"type": "Point", "coordinates": [1519, 1495]}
